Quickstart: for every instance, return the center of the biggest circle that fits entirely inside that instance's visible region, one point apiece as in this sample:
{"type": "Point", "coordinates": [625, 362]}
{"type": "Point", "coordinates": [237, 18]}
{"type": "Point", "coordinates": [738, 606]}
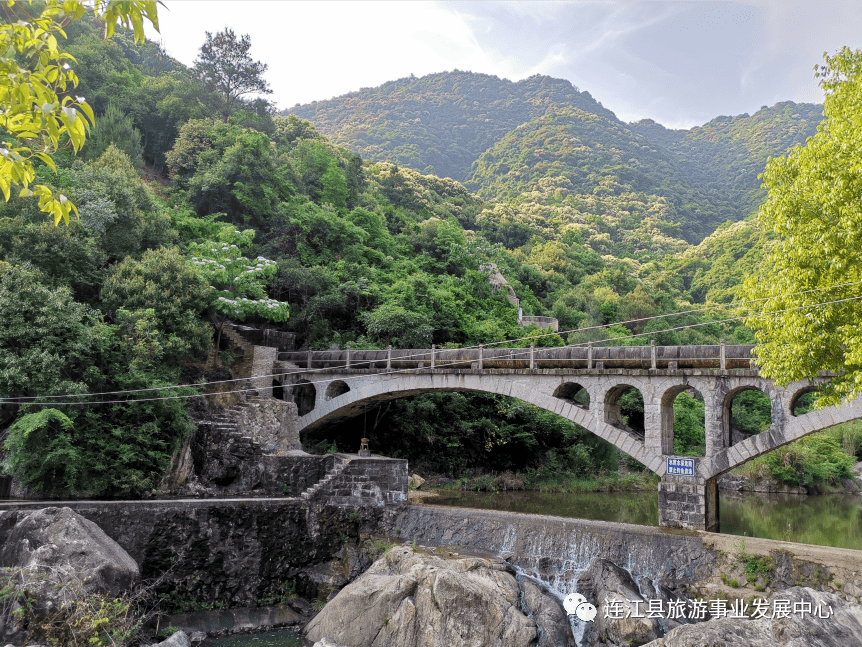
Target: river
{"type": "Point", "coordinates": [825, 520]}
{"type": "Point", "coordinates": [282, 638]}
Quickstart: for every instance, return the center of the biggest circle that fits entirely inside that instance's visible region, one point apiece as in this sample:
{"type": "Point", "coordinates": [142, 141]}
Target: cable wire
{"type": "Point", "coordinates": [399, 371]}
{"type": "Point", "coordinates": [24, 399]}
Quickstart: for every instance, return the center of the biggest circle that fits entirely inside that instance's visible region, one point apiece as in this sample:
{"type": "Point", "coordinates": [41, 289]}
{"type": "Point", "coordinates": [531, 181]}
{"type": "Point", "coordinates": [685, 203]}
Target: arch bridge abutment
{"type": "Point", "coordinates": [589, 395]}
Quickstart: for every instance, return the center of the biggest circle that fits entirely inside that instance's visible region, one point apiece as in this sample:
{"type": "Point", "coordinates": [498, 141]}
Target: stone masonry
{"type": "Point", "coordinates": [338, 385]}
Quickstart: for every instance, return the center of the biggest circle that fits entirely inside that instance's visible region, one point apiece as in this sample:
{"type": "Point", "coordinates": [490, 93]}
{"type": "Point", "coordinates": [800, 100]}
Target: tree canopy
{"type": "Point", "coordinates": [225, 66]}
{"type": "Point", "coordinates": [36, 113]}
{"type": "Point", "coordinates": [810, 319]}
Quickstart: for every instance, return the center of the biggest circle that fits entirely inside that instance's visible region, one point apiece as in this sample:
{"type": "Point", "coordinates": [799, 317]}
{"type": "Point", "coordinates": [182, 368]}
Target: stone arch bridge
{"type": "Point", "coordinates": [584, 385]}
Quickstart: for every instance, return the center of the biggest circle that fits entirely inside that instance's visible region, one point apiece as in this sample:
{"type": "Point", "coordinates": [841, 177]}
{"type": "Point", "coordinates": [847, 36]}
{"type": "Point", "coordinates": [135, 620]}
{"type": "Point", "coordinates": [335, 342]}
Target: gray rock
{"type": "Point", "coordinates": [408, 599]}
{"type": "Point", "coordinates": [549, 615]}
{"type": "Point", "coordinates": [604, 582]}
{"type": "Point", "coordinates": [198, 637]}
{"type": "Point", "coordinates": [326, 642]}
{"type": "Point", "coordinates": [851, 485]}
{"type": "Point", "coordinates": [842, 629]}
{"type": "Point", "coordinates": [66, 555]}
{"type": "Point", "coordinates": [178, 639]}
{"type": "Point", "coordinates": [415, 481]}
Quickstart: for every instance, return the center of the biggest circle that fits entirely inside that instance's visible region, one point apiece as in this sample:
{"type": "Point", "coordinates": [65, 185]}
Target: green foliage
{"type": "Point", "coordinates": [410, 329]}
{"type": "Point", "coordinates": [115, 128]}
{"type": "Point", "coordinates": [813, 208]}
{"type": "Point", "coordinates": [815, 459]}
{"type": "Point", "coordinates": [118, 207]}
{"type": "Point", "coordinates": [121, 449]}
{"type": "Point", "coordinates": [751, 412]}
{"type": "Point", "coordinates": [33, 114]}
{"type": "Point", "coordinates": [689, 434]}
{"type": "Point", "coordinates": [42, 447]}
{"type": "Point", "coordinates": [50, 344]}
{"type": "Point", "coordinates": [168, 284]}
{"type": "Point", "coordinates": [66, 256]}
{"type": "Point", "coordinates": [229, 169]}
{"type": "Point", "coordinates": [46, 337]}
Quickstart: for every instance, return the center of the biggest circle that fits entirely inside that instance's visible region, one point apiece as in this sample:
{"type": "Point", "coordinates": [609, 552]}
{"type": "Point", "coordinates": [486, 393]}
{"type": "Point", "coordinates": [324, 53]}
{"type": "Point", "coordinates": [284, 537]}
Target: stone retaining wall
{"type": "Point", "coordinates": [370, 480]}
{"type": "Point", "coordinates": [230, 552]}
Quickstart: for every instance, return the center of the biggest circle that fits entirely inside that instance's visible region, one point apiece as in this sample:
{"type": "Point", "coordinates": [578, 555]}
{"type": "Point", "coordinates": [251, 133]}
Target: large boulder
{"type": "Point", "coordinates": [409, 598]}
{"type": "Point", "coordinates": [177, 639]}
{"type": "Point", "coordinates": [843, 626]}
{"type": "Point", "coordinates": [65, 555]}
{"type": "Point", "coordinates": [553, 624]}
{"type": "Point", "coordinates": [605, 583]}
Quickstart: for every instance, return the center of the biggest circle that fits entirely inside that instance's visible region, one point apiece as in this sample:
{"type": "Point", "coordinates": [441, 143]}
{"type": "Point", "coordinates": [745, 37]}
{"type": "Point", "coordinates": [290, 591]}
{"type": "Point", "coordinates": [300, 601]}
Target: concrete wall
{"type": "Point", "coordinates": [556, 550]}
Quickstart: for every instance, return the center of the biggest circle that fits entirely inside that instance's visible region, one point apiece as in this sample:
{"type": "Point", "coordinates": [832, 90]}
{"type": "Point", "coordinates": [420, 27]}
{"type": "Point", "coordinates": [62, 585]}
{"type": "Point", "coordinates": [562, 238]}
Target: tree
{"type": "Point", "coordinates": [168, 284]}
{"type": "Point", "coordinates": [45, 335]}
{"type": "Point", "coordinates": [226, 67]}
{"type": "Point", "coordinates": [815, 208]}
{"type": "Point", "coordinates": [388, 321]}
{"type": "Point", "coordinates": [36, 114]}
{"type": "Point", "coordinates": [239, 284]}
{"type": "Point", "coordinates": [115, 128]}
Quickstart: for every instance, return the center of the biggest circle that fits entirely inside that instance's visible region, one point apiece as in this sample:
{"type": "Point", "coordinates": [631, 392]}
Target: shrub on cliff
{"type": "Point", "coordinates": [50, 345]}
{"type": "Point", "coordinates": [815, 459]}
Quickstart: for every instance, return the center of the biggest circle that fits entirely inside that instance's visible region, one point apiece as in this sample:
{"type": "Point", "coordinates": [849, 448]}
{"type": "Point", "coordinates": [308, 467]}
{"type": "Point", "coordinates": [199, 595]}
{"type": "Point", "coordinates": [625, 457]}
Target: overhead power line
{"type": "Point", "coordinates": [359, 377]}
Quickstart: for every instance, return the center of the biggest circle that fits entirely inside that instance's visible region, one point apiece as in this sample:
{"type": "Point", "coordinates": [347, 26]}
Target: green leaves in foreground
{"type": "Point", "coordinates": [814, 207]}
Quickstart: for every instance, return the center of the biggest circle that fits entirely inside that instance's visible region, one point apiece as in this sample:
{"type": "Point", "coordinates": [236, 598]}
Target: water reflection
{"type": "Point", "coordinates": [827, 520]}
{"type": "Point", "coordinates": [627, 507]}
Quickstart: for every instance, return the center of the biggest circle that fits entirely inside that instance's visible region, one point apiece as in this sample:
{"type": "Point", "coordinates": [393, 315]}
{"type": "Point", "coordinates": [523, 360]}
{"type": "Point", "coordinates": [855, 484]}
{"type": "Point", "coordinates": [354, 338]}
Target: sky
{"type": "Point", "coordinates": [679, 63]}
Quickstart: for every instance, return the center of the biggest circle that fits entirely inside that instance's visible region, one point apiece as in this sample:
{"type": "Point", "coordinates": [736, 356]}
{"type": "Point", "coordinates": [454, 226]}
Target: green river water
{"type": "Point", "coordinates": [826, 520]}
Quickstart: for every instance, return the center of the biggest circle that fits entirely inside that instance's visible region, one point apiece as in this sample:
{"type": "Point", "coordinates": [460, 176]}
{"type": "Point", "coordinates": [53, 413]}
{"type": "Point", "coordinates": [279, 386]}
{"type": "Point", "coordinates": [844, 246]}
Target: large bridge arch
{"type": "Point", "coordinates": [550, 378]}
{"type": "Point", "coordinates": [537, 390]}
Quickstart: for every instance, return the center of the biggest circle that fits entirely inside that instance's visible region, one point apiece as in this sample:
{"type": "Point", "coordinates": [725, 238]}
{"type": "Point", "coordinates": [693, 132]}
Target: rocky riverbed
{"type": "Point", "coordinates": [453, 577]}
{"type": "Point", "coordinates": [433, 597]}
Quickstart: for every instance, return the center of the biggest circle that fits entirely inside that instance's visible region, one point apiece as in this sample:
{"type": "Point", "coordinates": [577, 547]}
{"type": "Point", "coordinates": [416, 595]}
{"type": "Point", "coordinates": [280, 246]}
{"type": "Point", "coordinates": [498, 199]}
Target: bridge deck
{"type": "Point", "coordinates": [722, 357]}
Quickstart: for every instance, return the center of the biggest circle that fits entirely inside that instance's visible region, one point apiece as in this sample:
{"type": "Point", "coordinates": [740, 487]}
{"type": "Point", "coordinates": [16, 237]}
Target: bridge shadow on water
{"type": "Point", "coordinates": [825, 520]}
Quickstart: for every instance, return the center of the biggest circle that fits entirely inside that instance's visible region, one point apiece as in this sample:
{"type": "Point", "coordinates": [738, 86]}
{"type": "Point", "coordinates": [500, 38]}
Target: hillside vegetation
{"type": "Point", "coordinates": [339, 232]}
{"type": "Point", "coordinates": [505, 139]}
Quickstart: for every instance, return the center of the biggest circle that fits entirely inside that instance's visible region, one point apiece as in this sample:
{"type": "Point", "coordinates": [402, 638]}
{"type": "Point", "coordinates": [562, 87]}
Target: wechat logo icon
{"type": "Point", "coordinates": [576, 604]}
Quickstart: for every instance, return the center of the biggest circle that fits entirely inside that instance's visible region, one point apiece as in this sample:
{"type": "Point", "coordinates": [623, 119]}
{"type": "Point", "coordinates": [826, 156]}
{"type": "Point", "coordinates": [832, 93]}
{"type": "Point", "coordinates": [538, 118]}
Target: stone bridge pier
{"type": "Point", "coordinates": [584, 385]}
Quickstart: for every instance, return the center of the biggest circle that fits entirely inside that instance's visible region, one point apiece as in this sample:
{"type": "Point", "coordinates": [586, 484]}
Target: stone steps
{"type": "Point", "coordinates": [227, 423]}
{"type": "Point", "coordinates": [332, 473]}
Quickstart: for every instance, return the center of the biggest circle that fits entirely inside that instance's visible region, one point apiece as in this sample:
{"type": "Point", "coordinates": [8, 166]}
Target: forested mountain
{"type": "Point", "coordinates": [194, 210]}
{"type": "Point", "coordinates": [727, 154]}
{"type": "Point", "coordinates": [439, 123]}
{"type": "Point", "coordinates": [506, 141]}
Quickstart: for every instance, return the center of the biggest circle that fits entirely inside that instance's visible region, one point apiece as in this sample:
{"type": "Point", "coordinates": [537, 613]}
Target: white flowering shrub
{"type": "Point", "coordinates": [238, 283]}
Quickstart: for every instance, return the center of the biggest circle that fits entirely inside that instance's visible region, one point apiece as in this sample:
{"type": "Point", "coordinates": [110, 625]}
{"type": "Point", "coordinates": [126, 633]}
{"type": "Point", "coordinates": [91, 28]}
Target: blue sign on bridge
{"type": "Point", "coordinates": [680, 466]}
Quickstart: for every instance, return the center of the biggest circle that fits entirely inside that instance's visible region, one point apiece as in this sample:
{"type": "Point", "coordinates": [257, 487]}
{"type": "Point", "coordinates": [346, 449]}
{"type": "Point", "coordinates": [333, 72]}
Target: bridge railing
{"type": "Point", "coordinates": [568, 357]}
